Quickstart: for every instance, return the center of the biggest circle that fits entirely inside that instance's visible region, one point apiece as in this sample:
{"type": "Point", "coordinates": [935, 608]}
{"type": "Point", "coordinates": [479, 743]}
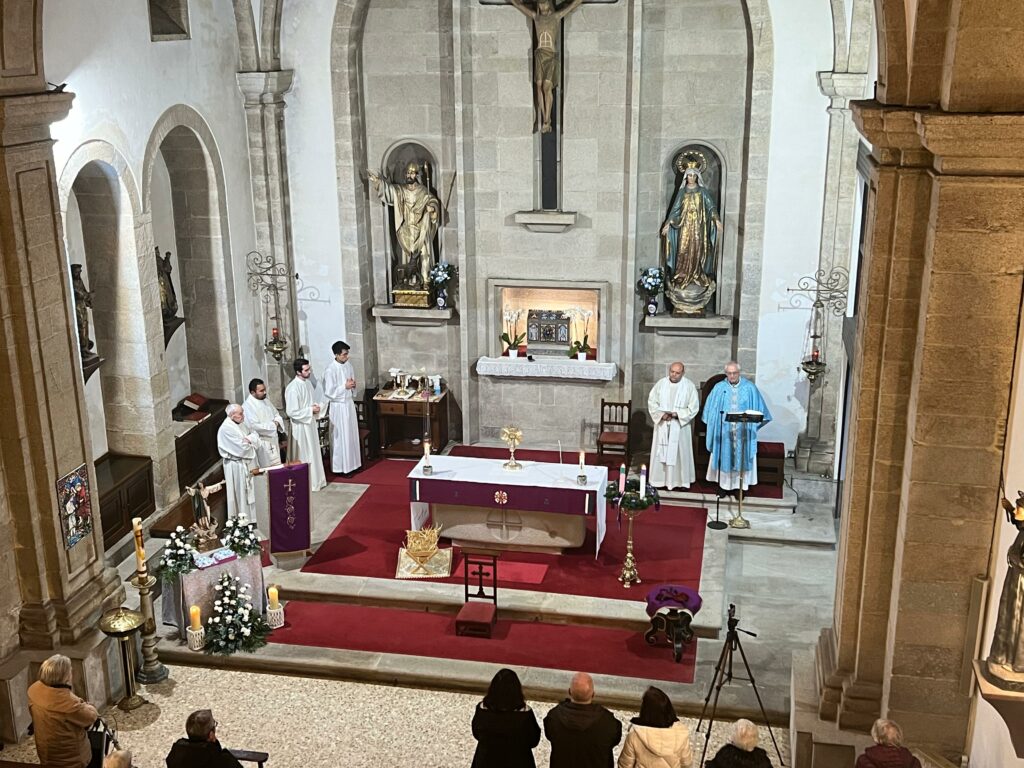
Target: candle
{"type": "Point", "coordinates": [815, 355]}
{"type": "Point", "coordinates": [140, 550]}
{"type": "Point", "coordinates": [275, 332]}
{"type": "Point", "coordinates": [582, 470]}
{"type": "Point", "coordinates": [272, 594]}
{"type": "Point", "coordinates": [643, 480]}
{"type": "Point", "coordinates": [426, 448]}
{"type": "Point", "coordinates": [622, 479]}
{"type": "Point", "coordinates": [196, 617]}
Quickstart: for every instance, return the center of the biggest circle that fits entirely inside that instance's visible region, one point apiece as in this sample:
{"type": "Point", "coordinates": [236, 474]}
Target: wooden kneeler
{"type": "Point", "coordinates": [479, 614]}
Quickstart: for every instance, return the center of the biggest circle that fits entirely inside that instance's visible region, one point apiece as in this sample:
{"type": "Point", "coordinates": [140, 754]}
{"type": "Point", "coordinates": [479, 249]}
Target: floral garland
{"type": "Point", "coordinates": [241, 536]}
{"type": "Point", "coordinates": [631, 498]}
{"type": "Point", "coordinates": [234, 624]}
{"type": "Point", "coordinates": [177, 559]}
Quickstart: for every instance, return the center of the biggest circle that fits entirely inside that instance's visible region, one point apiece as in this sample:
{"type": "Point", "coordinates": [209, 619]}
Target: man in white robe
{"type": "Point", "coordinates": [302, 410]}
{"type": "Point", "coordinates": [236, 444]}
{"type": "Point", "coordinates": [340, 390]}
{"type": "Point", "coordinates": [673, 404]}
{"type": "Point", "coordinates": [266, 422]}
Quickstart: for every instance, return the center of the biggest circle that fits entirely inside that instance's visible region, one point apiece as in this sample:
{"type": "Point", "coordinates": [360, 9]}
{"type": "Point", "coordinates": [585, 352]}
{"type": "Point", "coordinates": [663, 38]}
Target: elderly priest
{"type": "Point", "coordinates": [303, 412]}
{"type": "Point", "coordinates": [672, 404]}
{"type": "Point", "coordinates": [236, 443]}
{"type": "Point", "coordinates": [733, 444]}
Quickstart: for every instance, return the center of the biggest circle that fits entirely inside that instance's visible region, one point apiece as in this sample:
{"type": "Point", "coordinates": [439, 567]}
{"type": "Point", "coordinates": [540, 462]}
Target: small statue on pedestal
{"type": "Point", "coordinates": [204, 529]}
{"type": "Point", "coordinates": [83, 303]}
{"type": "Point", "coordinates": [1006, 657]}
{"type": "Point", "coordinates": [168, 298]}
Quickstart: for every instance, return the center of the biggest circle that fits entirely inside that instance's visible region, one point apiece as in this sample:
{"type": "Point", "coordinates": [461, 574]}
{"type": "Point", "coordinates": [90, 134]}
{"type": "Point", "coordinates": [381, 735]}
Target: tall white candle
{"type": "Point", "coordinates": [643, 480]}
{"type": "Point", "coordinates": [582, 470]}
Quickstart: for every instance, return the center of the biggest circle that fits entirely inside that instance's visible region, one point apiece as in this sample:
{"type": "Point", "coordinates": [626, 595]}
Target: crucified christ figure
{"type": "Point", "coordinates": [547, 62]}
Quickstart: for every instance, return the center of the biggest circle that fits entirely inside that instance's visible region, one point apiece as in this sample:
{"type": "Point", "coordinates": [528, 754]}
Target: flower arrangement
{"type": "Point", "coordinates": [241, 536]}
{"type": "Point", "coordinates": [441, 274]}
{"type": "Point", "coordinates": [630, 498]}
{"type": "Point", "coordinates": [575, 316]}
{"type": "Point", "coordinates": [651, 282]}
{"type": "Point", "coordinates": [511, 336]}
{"type": "Point", "coordinates": [234, 624]}
{"type": "Point", "coordinates": [177, 558]}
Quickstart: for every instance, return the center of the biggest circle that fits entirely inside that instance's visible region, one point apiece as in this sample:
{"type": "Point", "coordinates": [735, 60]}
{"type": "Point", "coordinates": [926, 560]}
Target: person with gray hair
{"type": "Point", "coordinates": [59, 718]}
{"type": "Point", "coordinates": [236, 443]}
{"type": "Point", "coordinates": [888, 751]}
{"type": "Point", "coordinates": [582, 733]}
{"type": "Point", "coordinates": [119, 758]}
{"type": "Point", "coordinates": [742, 750]}
{"type": "Point", "coordinates": [200, 748]}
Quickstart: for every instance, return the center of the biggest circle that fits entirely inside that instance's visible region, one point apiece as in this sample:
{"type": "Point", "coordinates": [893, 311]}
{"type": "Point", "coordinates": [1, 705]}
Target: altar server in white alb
{"type": "Point", "coordinates": [236, 443]}
{"type": "Point", "coordinates": [302, 410]}
{"type": "Point", "coordinates": [340, 391]}
{"type": "Point", "coordinates": [673, 404]}
{"type": "Point", "coordinates": [266, 422]}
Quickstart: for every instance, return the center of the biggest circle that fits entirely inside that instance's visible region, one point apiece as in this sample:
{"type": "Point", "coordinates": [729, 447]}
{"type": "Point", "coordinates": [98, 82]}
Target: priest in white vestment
{"type": "Point", "coordinates": [673, 404]}
{"type": "Point", "coordinates": [236, 444]}
{"type": "Point", "coordinates": [266, 422]}
{"type": "Point", "coordinates": [302, 410]}
{"type": "Point", "coordinates": [340, 391]}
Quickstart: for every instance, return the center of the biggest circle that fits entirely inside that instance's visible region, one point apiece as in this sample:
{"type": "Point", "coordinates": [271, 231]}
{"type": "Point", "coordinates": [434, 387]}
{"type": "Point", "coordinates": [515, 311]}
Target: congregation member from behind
{"type": "Point", "coordinates": [888, 751]}
{"type": "Point", "coordinates": [504, 726]}
{"type": "Point", "coordinates": [200, 749]}
{"type": "Point", "coordinates": [657, 738]}
{"type": "Point", "coordinates": [59, 718]}
{"type": "Point", "coordinates": [119, 758]}
{"type": "Point", "coordinates": [742, 751]}
{"type": "Point", "coordinates": [582, 733]}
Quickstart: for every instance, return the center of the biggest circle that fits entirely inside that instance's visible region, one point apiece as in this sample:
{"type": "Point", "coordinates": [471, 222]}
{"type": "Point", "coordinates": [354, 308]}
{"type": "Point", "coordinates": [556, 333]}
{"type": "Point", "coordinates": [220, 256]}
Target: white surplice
{"type": "Point", "coordinates": [236, 444]}
{"type": "Point", "coordinates": [344, 423]}
{"type": "Point", "coordinates": [305, 444]}
{"type": "Point", "coordinates": [265, 421]}
{"type": "Point", "coordinates": [672, 444]}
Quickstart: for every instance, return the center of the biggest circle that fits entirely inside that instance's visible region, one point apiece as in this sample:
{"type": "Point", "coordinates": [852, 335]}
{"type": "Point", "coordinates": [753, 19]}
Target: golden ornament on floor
{"type": "Point", "coordinates": [420, 558]}
{"type": "Point", "coordinates": [513, 436]}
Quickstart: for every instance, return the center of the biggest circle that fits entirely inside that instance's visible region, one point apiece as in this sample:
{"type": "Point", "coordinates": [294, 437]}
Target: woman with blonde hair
{"type": "Point", "coordinates": [742, 751]}
{"type": "Point", "coordinates": [60, 719]}
{"type": "Point", "coordinates": [657, 738]}
{"type": "Point", "coordinates": [888, 751]}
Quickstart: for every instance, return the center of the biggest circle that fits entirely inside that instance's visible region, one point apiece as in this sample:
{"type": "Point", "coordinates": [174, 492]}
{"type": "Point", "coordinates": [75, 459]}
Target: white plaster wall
{"type": "Point", "coordinates": [802, 32]}
{"type": "Point", "coordinates": [75, 246]}
{"type": "Point", "coordinates": [309, 124]}
{"type": "Point", "coordinates": [990, 745]}
{"type": "Point", "coordinates": [123, 83]}
{"type": "Point", "coordinates": [176, 354]}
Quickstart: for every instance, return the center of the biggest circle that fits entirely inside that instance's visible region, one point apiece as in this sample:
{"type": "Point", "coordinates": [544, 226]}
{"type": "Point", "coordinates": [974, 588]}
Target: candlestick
{"type": "Point", "coordinates": [582, 455]}
{"type": "Point", "coordinates": [643, 480]}
{"type": "Point", "coordinates": [140, 550]}
{"type": "Point", "coordinates": [273, 603]}
{"type": "Point", "coordinates": [622, 479]}
{"type": "Point", "coordinates": [196, 617]}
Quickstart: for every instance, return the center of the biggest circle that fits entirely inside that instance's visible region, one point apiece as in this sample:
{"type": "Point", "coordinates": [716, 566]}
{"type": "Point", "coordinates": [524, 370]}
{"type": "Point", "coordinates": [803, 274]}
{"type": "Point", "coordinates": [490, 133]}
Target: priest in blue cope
{"type": "Point", "coordinates": [725, 440]}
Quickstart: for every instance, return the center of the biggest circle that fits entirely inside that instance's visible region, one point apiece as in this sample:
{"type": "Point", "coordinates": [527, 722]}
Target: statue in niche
{"type": "Point", "coordinates": [168, 298]}
{"type": "Point", "coordinates": [83, 303]}
{"type": "Point", "coordinates": [691, 237]}
{"type": "Point", "coordinates": [1006, 657]}
{"type": "Point", "coordinates": [417, 215]}
{"type": "Point", "coordinates": [547, 61]}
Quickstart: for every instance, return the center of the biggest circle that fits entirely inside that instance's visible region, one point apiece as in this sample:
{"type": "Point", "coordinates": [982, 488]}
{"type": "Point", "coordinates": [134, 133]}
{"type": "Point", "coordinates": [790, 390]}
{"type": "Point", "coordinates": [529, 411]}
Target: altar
{"type": "Point", "coordinates": [540, 507]}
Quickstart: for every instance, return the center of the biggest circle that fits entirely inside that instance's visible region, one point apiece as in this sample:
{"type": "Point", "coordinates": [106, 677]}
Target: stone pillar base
{"type": "Point", "coordinates": [815, 455]}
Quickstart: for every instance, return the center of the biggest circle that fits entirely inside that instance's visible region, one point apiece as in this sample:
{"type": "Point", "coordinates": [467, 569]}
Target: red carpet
{"type": "Point", "coordinates": [611, 461]}
{"type": "Point", "coordinates": [515, 643]}
{"type": "Point", "coordinates": [379, 472]}
{"type": "Point", "coordinates": [669, 546]}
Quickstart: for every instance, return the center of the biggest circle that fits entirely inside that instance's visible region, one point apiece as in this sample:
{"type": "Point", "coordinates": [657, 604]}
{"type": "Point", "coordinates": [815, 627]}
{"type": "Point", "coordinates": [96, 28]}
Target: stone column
{"type": "Point", "coordinates": [264, 119]}
{"type": "Point", "coordinates": [816, 445]}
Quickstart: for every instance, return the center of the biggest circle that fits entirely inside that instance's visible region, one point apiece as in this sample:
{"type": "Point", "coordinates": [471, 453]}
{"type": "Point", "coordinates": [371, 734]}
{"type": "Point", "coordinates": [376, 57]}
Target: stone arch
{"type": "Point", "coordinates": [116, 237]}
{"type": "Point", "coordinates": [199, 200]}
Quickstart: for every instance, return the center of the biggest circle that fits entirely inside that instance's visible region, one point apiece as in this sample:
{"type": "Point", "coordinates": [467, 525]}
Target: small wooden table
{"type": "Point", "coordinates": [402, 420]}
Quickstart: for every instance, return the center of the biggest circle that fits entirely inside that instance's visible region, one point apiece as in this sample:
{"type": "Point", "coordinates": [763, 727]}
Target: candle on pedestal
{"type": "Point", "coordinates": [272, 603]}
{"type": "Point", "coordinates": [582, 456]}
{"type": "Point", "coordinates": [196, 617]}
{"type": "Point", "coordinates": [140, 550]}
{"type": "Point", "coordinates": [643, 480]}
{"type": "Point", "coordinates": [622, 479]}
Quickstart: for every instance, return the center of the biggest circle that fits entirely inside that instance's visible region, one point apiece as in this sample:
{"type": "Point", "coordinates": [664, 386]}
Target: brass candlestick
{"type": "Point", "coordinates": [122, 623]}
{"type": "Point", "coordinates": [152, 670]}
{"type": "Point", "coordinates": [629, 574]}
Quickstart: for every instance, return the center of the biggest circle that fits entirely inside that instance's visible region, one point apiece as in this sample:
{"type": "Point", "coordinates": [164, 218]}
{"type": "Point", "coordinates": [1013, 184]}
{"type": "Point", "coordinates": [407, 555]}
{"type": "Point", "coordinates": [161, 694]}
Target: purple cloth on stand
{"type": "Point", "coordinates": [526, 498]}
{"type": "Point", "coordinates": [673, 596]}
{"type": "Point", "coordinates": [288, 489]}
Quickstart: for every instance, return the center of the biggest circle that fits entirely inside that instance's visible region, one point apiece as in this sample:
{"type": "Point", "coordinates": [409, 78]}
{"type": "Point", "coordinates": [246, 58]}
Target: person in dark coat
{"type": "Point", "coordinates": [201, 749]}
{"type": "Point", "coordinates": [504, 726]}
{"type": "Point", "coordinates": [742, 751]}
{"type": "Point", "coordinates": [888, 751]}
{"type": "Point", "coordinates": [582, 733]}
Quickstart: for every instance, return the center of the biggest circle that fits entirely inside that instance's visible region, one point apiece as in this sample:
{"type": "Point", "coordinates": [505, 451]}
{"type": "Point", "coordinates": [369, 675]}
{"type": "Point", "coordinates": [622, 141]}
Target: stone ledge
{"type": "Point", "coordinates": [713, 325]}
{"type": "Point", "coordinates": [545, 221]}
{"type": "Point", "coordinates": [546, 368]}
{"type": "Point", "coordinates": [389, 313]}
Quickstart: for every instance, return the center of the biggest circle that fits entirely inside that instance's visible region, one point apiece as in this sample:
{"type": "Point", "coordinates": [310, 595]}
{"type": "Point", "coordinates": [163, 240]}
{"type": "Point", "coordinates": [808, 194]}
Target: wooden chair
{"type": "Point", "coordinates": [614, 436]}
{"type": "Point", "coordinates": [701, 455]}
{"type": "Point", "coordinates": [477, 617]}
{"type": "Point", "coordinates": [365, 446]}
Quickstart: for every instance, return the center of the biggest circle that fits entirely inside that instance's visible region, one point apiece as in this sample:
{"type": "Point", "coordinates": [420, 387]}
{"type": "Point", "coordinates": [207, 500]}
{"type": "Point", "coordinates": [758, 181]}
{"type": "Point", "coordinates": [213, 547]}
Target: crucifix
{"type": "Point", "coordinates": [546, 20]}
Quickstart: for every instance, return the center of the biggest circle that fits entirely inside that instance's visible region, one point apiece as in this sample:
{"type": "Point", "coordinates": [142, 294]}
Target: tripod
{"type": "Point", "coordinates": [723, 674]}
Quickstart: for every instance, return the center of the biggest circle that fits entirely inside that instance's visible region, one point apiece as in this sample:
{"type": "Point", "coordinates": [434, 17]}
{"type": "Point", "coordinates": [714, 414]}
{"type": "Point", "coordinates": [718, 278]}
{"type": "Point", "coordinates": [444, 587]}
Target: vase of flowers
{"type": "Point", "coordinates": [580, 348]}
{"type": "Point", "coordinates": [650, 284]}
{"type": "Point", "coordinates": [511, 337]}
{"type": "Point", "coordinates": [177, 559]}
{"type": "Point", "coordinates": [235, 625]}
{"type": "Point", "coordinates": [241, 536]}
{"type": "Point", "coordinates": [440, 276]}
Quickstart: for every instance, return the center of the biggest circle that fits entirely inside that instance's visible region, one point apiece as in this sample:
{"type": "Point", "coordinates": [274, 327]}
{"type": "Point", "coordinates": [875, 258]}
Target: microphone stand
{"type": "Point", "coordinates": [717, 524]}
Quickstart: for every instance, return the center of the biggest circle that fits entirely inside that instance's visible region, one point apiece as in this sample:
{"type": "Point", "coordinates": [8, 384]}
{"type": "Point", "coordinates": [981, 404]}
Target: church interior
{"type": "Point", "coordinates": [679, 347]}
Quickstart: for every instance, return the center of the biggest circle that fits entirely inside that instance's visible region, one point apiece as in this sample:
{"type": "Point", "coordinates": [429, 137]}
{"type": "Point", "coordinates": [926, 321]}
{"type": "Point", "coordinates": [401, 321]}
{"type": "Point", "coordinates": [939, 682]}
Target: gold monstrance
{"type": "Point", "coordinates": [513, 436]}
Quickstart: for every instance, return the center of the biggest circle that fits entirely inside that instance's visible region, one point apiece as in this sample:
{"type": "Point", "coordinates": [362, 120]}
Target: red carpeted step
{"type": "Point", "coordinates": [598, 650]}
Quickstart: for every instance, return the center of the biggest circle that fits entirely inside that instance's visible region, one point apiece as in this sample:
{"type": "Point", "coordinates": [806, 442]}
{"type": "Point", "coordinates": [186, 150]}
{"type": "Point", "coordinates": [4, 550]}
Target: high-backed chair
{"type": "Point", "coordinates": [614, 436]}
{"type": "Point", "coordinates": [479, 614]}
{"type": "Point", "coordinates": [701, 455]}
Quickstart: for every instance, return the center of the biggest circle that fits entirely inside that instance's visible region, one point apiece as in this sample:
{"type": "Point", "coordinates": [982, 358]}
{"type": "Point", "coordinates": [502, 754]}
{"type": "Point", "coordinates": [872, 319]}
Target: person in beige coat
{"type": "Point", "coordinates": [657, 739]}
{"type": "Point", "coordinates": [60, 719]}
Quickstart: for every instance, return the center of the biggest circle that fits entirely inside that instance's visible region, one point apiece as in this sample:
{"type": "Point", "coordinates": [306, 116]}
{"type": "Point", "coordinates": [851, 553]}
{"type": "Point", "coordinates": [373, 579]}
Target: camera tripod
{"type": "Point", "coordinates": [723, 674]}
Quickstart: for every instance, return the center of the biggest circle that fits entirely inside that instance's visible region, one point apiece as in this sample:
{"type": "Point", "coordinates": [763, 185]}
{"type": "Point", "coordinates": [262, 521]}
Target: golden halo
{"type": "Point", "coordinates": [690, 158]}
